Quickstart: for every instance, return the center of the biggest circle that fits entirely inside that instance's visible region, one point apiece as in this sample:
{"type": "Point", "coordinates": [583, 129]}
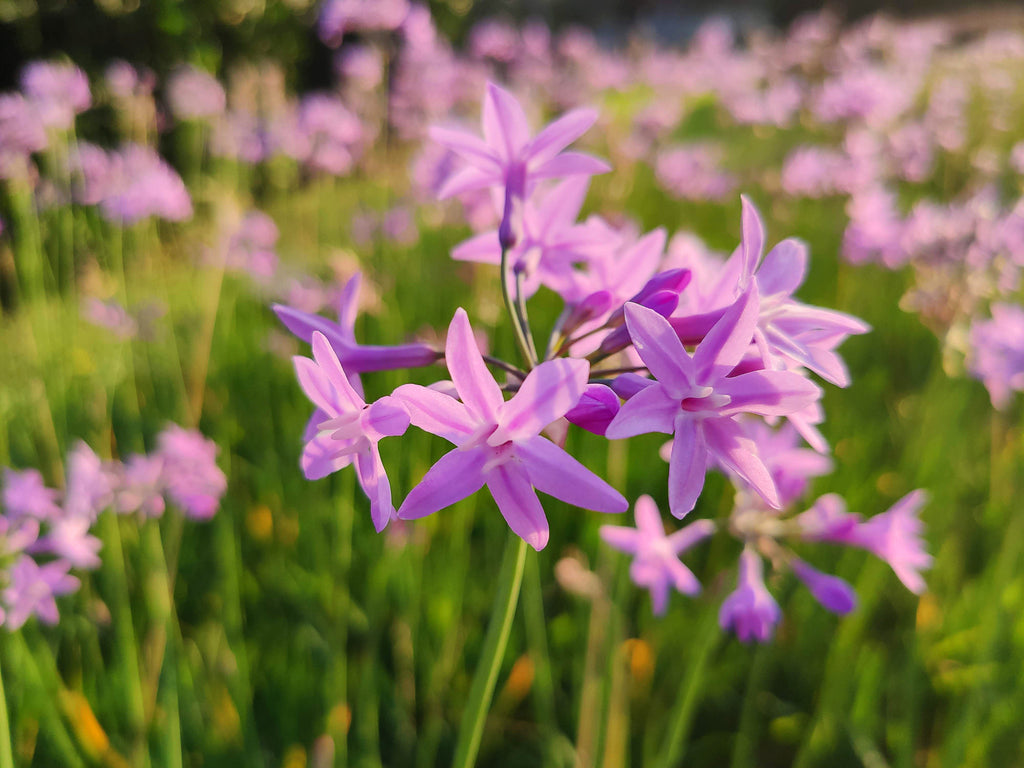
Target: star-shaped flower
{"type": "Point", "coordinates": [498, 443]}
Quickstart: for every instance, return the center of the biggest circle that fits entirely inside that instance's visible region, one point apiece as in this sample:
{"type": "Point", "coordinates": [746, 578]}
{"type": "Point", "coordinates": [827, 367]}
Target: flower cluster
{"type": "Point", "coordinates": [710, 351]}
{"type": "Point", "coordinates": [45, 533]}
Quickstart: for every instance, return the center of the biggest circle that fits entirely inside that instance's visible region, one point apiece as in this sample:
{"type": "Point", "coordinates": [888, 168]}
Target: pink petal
{"type": "Point", "coordinates": [467, 180]}
{"type": "Point", "coordinates": [753, 240]}
{"type": "Point", "coordinates": [348, 307]}
{"type": "Point", "coordinates": [558, 474]}
{"type": "Point", "coordinates": [561, 206]}
{"type": "Point", "coordinates": [686, 467]}
{"type": "Point", "coordinates": [476, 386]}
{"type": "Point", "coordinates": [324, 355]}
{"type": "Point", "coordinates": [648, 518]}
{"type": "Point", "coordinates": [466, 145]}
{"type": "Point", "coordinates": [726, 343]}
{"type": "Point", "coordinates": [560, 134]}
{"type": "Point", "coordinates": [305, 324]}
{"type": "Point", "coordinates": [768, 393]}
{"type": "Point", "coordinates": [651, 409]}
{"type": "Point", "coordinates": [620, 537]}
{"type": "Point", "coordinates": [548, 393]}
{"type": "Point", "coordinates": [783, 269]}
{"type": "Point", "coordinates": [320, 457]}
{"type": "Point", "coordinates": [374, 481]}
{"type": "Point", "coordinates": [455, 476]}
{"type": "Point", "coordinates": [660, 349]}
{"type": "Point", "coordinates": [730, 445]}
{"type": "Point", "coordinates": [691, 535]}
{"type": "Point", "coordinates": [505, 124]}
{"type": "Point", "coordinates": [519, 504]}
{"type": "Point", "coordinates": [437, 413]}
{"type": "Point", "coordinates": [315, 384]}
{"type": "Point", "coordinates": [484, 248]}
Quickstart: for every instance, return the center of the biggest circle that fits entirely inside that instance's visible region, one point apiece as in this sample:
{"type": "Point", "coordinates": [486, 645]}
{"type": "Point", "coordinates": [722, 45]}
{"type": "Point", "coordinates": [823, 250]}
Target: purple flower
{"type": "Point", "coordinates": [88, 489]}
{"type": "Point", "coordinates": [333, 134]}
{"type": "Point", "coordinates": [791, 465]}
{"type": "Point", "coordinates": [143, 185]}
{"type": "Point", "coordinates": [507, 158]}
{"type": "Point", "coordinates": [550, 243]}
{"type": "Point", "coordinates": [141, 485]}
{"type": "Point", "coordinates": [192, 478]}
{"type": "Point", "coordinates": [68, 539]}
{"type": "Point", "coordinates": [354, 357]}
{"type": "Point", "coordinates": [345, 430]}
{"type": "Point", "coordinates": [21, 133]}
{"type": "Point", "coordinates": [340, 16]}
{"type": "Point", "coordinates": [895, 536]}
{"type": "Point", "coordinates": [25, 495]}
{"type": "Point", "coordinates": [250, 247]}
{"type": "Point", "coordinates": [195, 94]}
{"type": "Point", "coordinates": [696, 400]}
{"type": "Point", "coordinates": [90, 170]}
{"type": "Point", "coordinates": [833, 593]}
{"type": "Point", "coordinates": [57, 91]}
{"type": "Point", "coordinates": [31, 590]}
{"type": "Point", "coordinates": [692, 172]}
{"type": "Point", "coordinates": [110, 315]}
{"type": "Point", "coordinates": [498, 443]}
{"type": "Point", "coordinates": [656, 564]}
{"type": "Point", "coordinates": [16, 535]}
{"type": "Point", "coordinates": [750, 611]}
{"type": "Point", "coordinates": [997, 352]}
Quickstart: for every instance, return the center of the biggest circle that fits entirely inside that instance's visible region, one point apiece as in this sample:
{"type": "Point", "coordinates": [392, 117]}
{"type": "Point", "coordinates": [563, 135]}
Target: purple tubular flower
{"type": "Point", "coordinates": [696, 400]}
{"type": "Point", "coordinates": [663, 303]}
{"type": "Point", "coordinates": [31, 590]}
{"type": "Point", "coordinates": [831, 592]}
{"type": "Point", "coordinates": [595, 410]}
{"type": "Point", "coordinates": [507, 158]}
{"type": "Point", "coordinates": [895, 536]}
{"type": "Point", "coordinates": [656, 564]}
{"type": "Point", "coordinates": [354, 357]}
{"type": "Point", "coordinates": [498, 443]}
{"type": "Point", "coordinates": [750, 611]}
{"type": "Point", "coordinates": [997, 352]}
{"type": "Point", "coordinates": [347, 429]}
{"type": "Point", "coordinates": [25, 495]}
{"type": "Point", "coordinates": [192, 478]}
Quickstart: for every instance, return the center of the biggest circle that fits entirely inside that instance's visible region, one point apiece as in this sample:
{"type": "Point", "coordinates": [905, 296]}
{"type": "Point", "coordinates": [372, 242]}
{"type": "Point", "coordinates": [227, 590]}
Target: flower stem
{"type": "Point", "coordinates": [486, 675]}
{"type": "Point", "coordinates": [525, 346]}
{"type": "Point", "coordinates": [6, 755]}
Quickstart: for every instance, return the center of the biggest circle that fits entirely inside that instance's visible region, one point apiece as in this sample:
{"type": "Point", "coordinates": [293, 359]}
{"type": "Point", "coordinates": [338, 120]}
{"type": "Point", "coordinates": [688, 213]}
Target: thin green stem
{"type": "Point", "coordinates": [6, 755]}
{"type": "Point", "coordinates": [525, 346]}
{"type": "Point", "coordinates": [523, 317]}
{"type": "Point", "coordinates": [486, 676]}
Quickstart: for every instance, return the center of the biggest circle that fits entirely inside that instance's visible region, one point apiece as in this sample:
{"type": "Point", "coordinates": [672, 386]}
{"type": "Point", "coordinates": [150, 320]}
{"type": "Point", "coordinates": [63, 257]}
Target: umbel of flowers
{"type": "Point", "coordinates": [716, 354]}
{"type": "Point", "coordinates": [45, 534]}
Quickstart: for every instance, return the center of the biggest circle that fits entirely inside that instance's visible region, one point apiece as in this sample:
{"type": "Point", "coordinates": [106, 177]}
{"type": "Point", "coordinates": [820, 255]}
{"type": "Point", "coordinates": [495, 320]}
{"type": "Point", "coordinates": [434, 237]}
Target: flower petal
{"type": "Point", "coordinates": [569, 164]}
{"type": "Point", "coordinates": [325, 357]}
{"type": "Point", "coordinates": [651, 409]}
{"type": "Point", "coordinates": [660, 349]}
{"type": "Point", "coordinates": [519, 504]}
{"type": "Point", "coordinates": [727, 341]}
{"type": "Point", "coordinates": [560, 134]}
{"type": "Point", "coordinates": [768, 393]}
{"type": "Point", "coordinates": [436, 413]}
{"type": "Point", "coordinates": [548, 393]}
{"type": "Point", "coordinates": [476, 385]}
{"type": "Point", "coordinates": [558, 474]}
{"type": "Point", "coordinates": [374, 481]}
{"type": "Point", "coordinates": [687, 466]}
{"type": "Point", "coordinates": [730, 445]}
{"type": "Point", "coordinates": [455, 476]}
{"type": "Point", "coordinates": [753, 240]}
{"type": "Point", "coordinates": [784, 268]}
{"type": "Point", "coordinates": [505, 124]}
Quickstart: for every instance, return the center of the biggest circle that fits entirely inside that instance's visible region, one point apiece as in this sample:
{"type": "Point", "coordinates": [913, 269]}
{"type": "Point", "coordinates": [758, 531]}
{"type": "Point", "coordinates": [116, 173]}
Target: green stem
{"type": "Point", "coordinates": [525, 346]}
{"type": "Point", "coordinates": [486, 676]}
{"type": "Point", "coordinates": [686, 704]}
{"type": "Point", "coordinates": [6, 755]}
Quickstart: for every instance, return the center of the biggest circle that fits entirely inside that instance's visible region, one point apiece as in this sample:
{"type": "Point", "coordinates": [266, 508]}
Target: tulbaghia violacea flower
{"type": "Point", "coordinates": [498, 443]}
{"type": "Point", "coordinates": [68, 539]}
{"type": "Point", "coordinates": [355, 358]}
{"type": "Point", "coordinates": [695, 399]}
{"type": "Point", "coordinates": [656, 563]}
{"type": "Point", "coordinates": [192, 478]}
{"type": "Point", "coordinates": [340, 16]}
{"type": "Point", "coordinates": [26, 495]}
{"type": "Point", "coordinates": [89, 486]}
{"type": "Point", "coordinates": [550, 244]}
{"type": "Point", "coordinates": [57, 91]}
{"type": "Point", "coordinates": [833, 593]}
{"type": "Point", "coordinates": [31, 589]}
{"type": "Point", "coordinates": [194, 94]}
{"type": "Point", "coordinates": [345, 429]}
{"type": "Point", "coordinates": [750, 611]}
{"type": "Point", "coordinates": [507, 158]}
{"type": "Point", "coordinates": [140, 486]}
{"type": "Point", "coordinates": [997, 352]}
{"type": "Point", "coordinates": [143, 185]}
{"type": "Point", "coordinates": [789, 333]}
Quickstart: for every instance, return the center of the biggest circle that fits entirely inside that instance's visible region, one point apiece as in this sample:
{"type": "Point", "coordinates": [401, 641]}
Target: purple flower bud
{"type": "Point", "coordinates": [628, 384]}
{"type": "Point", "coordinates": [595, 410]}
{"type": "Point", "coordinates": [750, 611]}
{"type": "Point", "coordinates": [671, 281]}
{"type": "Point", "coordinates": [592, 306]}
{"type": "Point", "coordinates": [833, 593]}
{"type": "Point", "coordinates": [662, 302]}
